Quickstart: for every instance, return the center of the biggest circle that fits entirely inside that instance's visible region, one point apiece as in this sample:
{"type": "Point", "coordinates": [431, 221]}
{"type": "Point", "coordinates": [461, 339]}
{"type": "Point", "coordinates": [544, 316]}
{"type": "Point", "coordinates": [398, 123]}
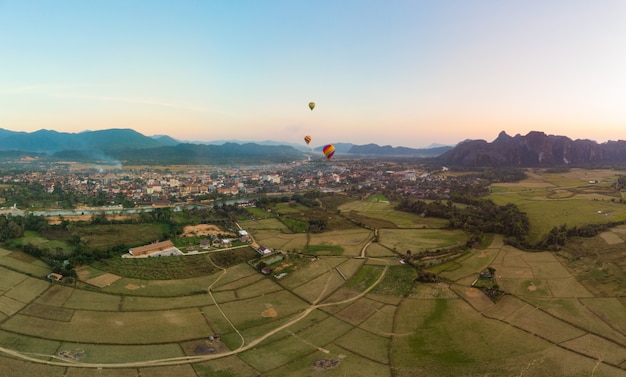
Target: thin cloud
{"type": "Point", "coordinates": [142, 101]}
{"type": "Point", "coordinates": [42, 89]}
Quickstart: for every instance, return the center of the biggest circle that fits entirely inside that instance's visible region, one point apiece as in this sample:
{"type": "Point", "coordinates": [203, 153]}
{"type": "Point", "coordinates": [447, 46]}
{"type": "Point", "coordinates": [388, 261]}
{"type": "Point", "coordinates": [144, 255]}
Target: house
{"type": "Point", "coordinates": [244, 236]}
{"type": "Point", "coordinates": [53, 276]}
{"type": "Point", "coordinates": [266, 270]}
{"type": "Point", "coordinates": [264, 250]}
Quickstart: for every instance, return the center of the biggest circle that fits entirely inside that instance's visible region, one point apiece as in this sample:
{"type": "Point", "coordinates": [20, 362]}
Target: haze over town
{"type": "Point", "coordinates": [401, 73]}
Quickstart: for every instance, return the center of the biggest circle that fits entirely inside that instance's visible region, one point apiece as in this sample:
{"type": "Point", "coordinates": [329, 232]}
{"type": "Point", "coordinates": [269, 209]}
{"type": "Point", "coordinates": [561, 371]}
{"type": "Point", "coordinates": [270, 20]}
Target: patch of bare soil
{"type": "Point", "coordinates": [326, 363]}
{"type": "Point", "coordinates": [204, 347]}
{"type": "Point", "coordinates": [202, 230]}
{"type": "Point", "coordinates": [73, 355]}
{"type": "Point", "coordinates": [270, 312]}
{"type": "Point", "coordinates": [103, 280]}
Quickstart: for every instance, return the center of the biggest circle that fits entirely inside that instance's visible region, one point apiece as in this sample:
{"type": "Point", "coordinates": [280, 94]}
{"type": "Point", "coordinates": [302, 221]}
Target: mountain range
{"type": "Point", "coordinates": [130, 145]}
{"type": "Point", "coordinates": [535, 149]}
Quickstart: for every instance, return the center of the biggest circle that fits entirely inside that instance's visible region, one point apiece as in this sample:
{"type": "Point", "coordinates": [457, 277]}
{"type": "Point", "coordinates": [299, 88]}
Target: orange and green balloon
{"type": "Point", "coordinates": [307, 139]}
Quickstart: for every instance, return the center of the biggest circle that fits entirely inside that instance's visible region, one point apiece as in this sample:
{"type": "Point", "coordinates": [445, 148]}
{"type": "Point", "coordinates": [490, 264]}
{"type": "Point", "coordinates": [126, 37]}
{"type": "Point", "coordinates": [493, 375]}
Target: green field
{"type": "Point", "coordinates": [416, 240]}
{"type": "Point", "coordinates": [568, 198]}
{"type": "Point", "coordinates": [344, 306]}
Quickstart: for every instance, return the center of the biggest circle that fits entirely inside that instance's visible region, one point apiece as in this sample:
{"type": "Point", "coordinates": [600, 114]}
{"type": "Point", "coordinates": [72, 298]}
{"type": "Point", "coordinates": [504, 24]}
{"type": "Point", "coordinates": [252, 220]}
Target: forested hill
{"type": "Point", "coordinates": [194, 154]}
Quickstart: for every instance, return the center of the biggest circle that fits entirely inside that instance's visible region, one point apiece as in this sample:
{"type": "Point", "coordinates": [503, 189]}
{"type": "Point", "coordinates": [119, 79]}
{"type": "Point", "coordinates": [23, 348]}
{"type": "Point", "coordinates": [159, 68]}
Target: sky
{"type": "Point", "coordinates": [391, 72]}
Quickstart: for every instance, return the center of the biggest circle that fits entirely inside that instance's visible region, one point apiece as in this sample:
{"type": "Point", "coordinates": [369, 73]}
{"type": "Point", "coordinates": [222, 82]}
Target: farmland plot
{"type": "Point", "coordinates": [337, 362]}
{"type": "Point", "coordinates": [226, 366]}
{"type": "Point", "coordinates": [317, 267]}
{"type": "Point", "coordinates": [10, 279]}
{"type": "Point", "coordinates": [261, 309]}
{"type": "Point", "coordinates": [27, 290]}
{"type": "Point", "coordinates": [366, 344]}
{"type": "Point", "coordinates": [139, 303]}
{"type": "Point", "coordinates": [25, 263]}
{"type": "Point", "coordinates": [116, 327]}
{"type": "Point", "coordinates": [417, 240]}
{"type": "Point", "coordinates": [56, 295]}
{"type": "Point", "coordinates": [103, 353]}
{"type": "Point", "coordinates": [352, 240]}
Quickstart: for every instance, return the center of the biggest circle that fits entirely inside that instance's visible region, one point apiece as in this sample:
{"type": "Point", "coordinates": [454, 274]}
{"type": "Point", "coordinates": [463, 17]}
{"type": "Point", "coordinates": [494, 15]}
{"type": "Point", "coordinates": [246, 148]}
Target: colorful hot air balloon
{"type": "Point", "coordinates": [311, 105]}
{"type": "Point", "coordinates": [329, 151]}
{"type": "Point", "coordinates": [307, 138]}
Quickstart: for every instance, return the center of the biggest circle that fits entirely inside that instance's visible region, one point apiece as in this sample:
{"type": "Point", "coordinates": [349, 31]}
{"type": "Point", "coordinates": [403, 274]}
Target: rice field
{"type": "Point", "coordinates": [566, 198]}
{"type": "Point", "coordinates": [322, 319]}
{"type": "Point", "coordinates": [416, 240]}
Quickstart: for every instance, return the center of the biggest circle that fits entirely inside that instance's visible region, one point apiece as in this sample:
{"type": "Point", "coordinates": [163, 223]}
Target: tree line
{"type": "Point", "coordinates": [477, 217]}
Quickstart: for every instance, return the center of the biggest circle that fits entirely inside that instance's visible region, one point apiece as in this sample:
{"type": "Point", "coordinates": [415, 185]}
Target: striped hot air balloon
{"type": "Point", "coordinates": [329, 151]}
{"type": "Point", "coordinates": [307, 139]}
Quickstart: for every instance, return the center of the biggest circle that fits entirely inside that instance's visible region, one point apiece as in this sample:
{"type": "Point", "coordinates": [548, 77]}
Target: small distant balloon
{"type": "Point", "coordinates": [329, 151]}
{"type": "Point", "coordinates": [307, 139]}
{"type": "Point", "coordinates": [311, 105]}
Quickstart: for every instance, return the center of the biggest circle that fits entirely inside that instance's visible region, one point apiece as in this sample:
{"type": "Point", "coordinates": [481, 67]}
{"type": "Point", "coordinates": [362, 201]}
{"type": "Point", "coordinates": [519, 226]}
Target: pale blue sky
{"type": "Point", "coordinates": [402, 73]}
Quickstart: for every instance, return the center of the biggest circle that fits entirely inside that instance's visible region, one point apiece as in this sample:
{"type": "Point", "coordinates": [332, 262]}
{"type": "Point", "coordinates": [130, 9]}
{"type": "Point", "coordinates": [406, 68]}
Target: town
{"type": "Point", "coordinates": [65, 186]}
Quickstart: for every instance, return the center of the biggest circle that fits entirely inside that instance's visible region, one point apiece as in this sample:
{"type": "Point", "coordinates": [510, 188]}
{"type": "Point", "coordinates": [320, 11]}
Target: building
{"type": "Point", "coordinates": [54, 276]}
{"type": "Point", "coordinates": [244, 236]}
{"type": "Point", "coordinates": [160, 248]}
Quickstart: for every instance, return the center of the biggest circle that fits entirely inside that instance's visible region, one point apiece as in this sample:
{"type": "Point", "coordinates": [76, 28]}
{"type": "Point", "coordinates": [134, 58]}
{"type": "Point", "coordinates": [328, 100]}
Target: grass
{"type": "Point", "coordinates": [259, 213]}
{"type": "Point", "coordinates": [231, 366]}
{"type": "Point", "coordinates": [364, 278]}
{"type": "Point", "coordinates": [164, 268]}
{"type": "Point", "coordinates": [401, 240]}
{"type": "Point", "coordinates": [249, 312]}
{"type": "Point", "coordinates": [566, 198]}
{"type": "Point", "coordinates": [57, 246]}
{"type": "Point", "coordinates": [351, 241]}
{"type": "Point", "coordinates": [381, 322]}
{"type": "Point", "coordinates": [177, 267]}
{"type": "Point", "coordinates": [19, 342]}
{"type": "Point", "coordinates": [366, 344]}
{"type": "Point", "coordinates": [100, 353]}
{"type": "Point", "coordinates": [104, 237]}
{"type": "Point", "coordinates": [438, 331]}
{"type": "Point", "coordinates": [28, 289]}
{"type": "Point", "coordinates": [296, 226]}
{"type": "Point", "coordinates": [385, 214]}
{"type": "Point", "coordinates": [358, 311]}
{"type": "Point", "coordinates": [398, 281]}
{"type": "Point", "coordinates": [149, 327]}
{"type": "Point", "coordinates": [324, 249]}
{"type": "Point", "coordinates": [10, 278]}
{"type": "Point", "coordinates": [400, 328]}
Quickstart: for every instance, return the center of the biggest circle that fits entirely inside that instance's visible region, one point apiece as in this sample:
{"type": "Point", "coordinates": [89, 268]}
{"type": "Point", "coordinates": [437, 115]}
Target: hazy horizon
{"type": "Point", "coordinates": [399, 73]}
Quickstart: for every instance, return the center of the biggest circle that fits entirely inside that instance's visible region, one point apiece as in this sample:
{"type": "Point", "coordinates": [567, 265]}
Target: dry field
{"type": "Point", "coordinates": [554, 321]}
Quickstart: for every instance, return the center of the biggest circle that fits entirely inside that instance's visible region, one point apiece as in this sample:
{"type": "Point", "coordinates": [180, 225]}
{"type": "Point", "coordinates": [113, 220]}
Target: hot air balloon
{"type": "Point", "coordinates": [311, 105]}
{"type": "Point", "coordinates": [307, 138]}
{"type": "Point", "coordinates": [329, 151]}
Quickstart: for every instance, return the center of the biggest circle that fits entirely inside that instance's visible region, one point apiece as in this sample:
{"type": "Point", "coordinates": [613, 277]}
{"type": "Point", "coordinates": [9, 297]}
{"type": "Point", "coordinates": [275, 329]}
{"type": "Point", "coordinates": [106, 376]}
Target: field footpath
{"type": "Point", "coordinates": [27, 356]}
{"type": "Point", "coordinates": [485, 308]}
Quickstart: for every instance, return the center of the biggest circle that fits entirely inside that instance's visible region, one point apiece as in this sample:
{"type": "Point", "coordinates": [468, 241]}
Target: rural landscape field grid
{"type": "Point", "coordinates": [348, 305]}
